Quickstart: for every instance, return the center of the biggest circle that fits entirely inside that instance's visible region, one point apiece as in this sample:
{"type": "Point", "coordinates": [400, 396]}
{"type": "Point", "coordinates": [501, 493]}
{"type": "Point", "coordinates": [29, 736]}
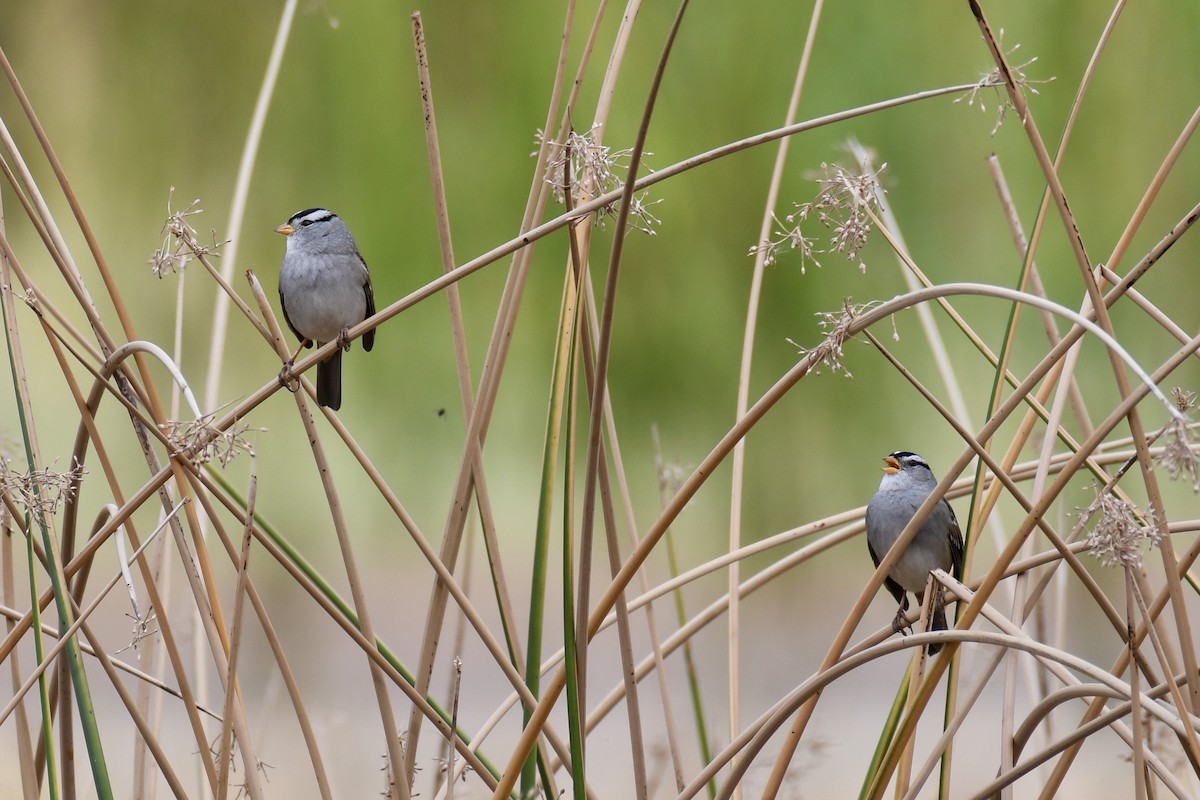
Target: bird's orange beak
{"type": "Point", "coordinates": [285, 229]}
{"type": "Point", "coordinates": [891, 465]}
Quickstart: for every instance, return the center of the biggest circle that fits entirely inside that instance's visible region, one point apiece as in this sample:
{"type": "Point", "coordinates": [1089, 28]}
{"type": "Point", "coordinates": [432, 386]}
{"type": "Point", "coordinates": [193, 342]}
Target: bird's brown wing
{"type": "Point", "coordinates": [957, 551]}
{"type": "Point", "coordinates": [368, 339]}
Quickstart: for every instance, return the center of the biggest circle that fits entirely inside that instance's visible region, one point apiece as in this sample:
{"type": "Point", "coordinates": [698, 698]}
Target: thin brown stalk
{"type": "Point", "coordinates": [235, 642]}
{"type": "Point", "coordinates": [968, 615]}
{"type": "Point", "coordinates": [1139, 731]}
{"type": "Point", "coordinates": [21, 731]}
{"type": "Point", "coordinates": [56, 245]}
{"type": "Point", "coordinates": [237, 209]}
{"type": "Point", "coordinates": [488, 384]}
{"type": "Point", "coordinates": [618, 469]}
{"type": "Point", "coordinates": [1035, 282]}
{"type": "Point", "coordinates": [1167, 551]}
{"type": "Point", "coordinates": [1190, 739]}
{"type": "Point", "coordinates": [460, 633]}
{"type": "Point", "coordinates": [202, 492]}
{"type": "Point", "coordinates": [445, 241]}
{"type": "Point", "coordinates": [442, 214]}
{"type": "Point", "coordinates": [625, 645]}
{"type": "Point", "coordinates": [743, 385]}
{"type": "Point", "coordinates": [398, 784]}
{"type": "Point", "coordinates": [599, 386]}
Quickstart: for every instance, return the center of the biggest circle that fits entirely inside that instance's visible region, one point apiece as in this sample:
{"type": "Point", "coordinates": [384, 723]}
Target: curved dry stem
{"type": "Point", "coordinates": [237, 209]}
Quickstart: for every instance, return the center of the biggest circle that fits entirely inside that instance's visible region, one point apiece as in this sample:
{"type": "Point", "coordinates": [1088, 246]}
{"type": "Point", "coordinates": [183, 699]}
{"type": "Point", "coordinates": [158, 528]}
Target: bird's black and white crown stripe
{"type": "Point", "coordinates": [310, 215]}
{"type": "Point", "coordinates": [908, 459]}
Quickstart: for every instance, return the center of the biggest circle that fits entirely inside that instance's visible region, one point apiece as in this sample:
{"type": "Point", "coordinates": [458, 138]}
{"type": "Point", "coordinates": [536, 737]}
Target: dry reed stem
{"type": "Point", "coordinates": [1001, 414]}
{"type": "Point", "coordinates": [633, 707]}
{"type": "Point", "coordinates": [235, 636]}
{"type": "Point", "coordinates": [237, 208]}
{"type": "Point", "coordinates": [490, 378]}
{"type": "Point", "coordinates": [743, 384]}
{"type": "Point", "coordinates": [991, 579]}
{"type": "Point", "coordinates": [488, 383]}
{"type": "Point", "coordinates": [442, 215]}
{"type": "Point", "coordinates": [614, 451]}
{"type": "Point", "coordinates": [598, 388]}
{"type": "Point", "coordinates": [1086, 455]}
{"type": "Point", "coordinates": [444, 576]}
{"type": "Point", "coordinates": [7, 589]}
{"type": "Point", "coordinates": [398, 784]}
{"type": "Point", "coordinates": [1170, 567]}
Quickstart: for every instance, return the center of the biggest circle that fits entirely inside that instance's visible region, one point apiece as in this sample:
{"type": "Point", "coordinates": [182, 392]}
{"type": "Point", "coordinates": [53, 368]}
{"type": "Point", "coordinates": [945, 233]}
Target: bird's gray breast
{"type": "Point", "coordinates": [323, 293]}
{"type": "Point", "coordinates": [887, 515]}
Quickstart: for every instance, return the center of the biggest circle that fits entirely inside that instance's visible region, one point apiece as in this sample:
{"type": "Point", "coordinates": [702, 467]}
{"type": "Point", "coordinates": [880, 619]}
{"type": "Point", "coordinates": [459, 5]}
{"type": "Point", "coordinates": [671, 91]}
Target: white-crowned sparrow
{"type": "Point", "coordinates": [906, 483]}
{"type": "Point", "coordinates": [324, 289]}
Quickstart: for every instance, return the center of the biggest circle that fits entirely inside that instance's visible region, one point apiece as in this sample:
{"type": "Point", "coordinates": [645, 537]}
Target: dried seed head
{"type": "Point", "coordinates": [1180, 455]}
{"type": "Point", "coordinates": [843, 204]}
{"type": "Point", "coordinates": [1118, 536]}
{"type": "Point", "coordinates": [995, 81]}
{"type": "Point", "coordinates": [180, 243]}
{"type": "Point", "coordinates": [199, 442]}
{"type": "Point", "coordinates": [41, 491]}
{"type": "Point", "coordinates": [837, 332]}
{"type": "Point", "coordinates": [589, 168]}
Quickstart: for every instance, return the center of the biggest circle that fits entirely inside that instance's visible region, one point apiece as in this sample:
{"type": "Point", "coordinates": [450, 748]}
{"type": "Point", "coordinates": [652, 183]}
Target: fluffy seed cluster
{"type": "Point", "coordinates": [995, 82]}
{"type": "Point", "coordinates": [200, 442]}
{"type": "Point", "coordinates": [1119, 535]}
{"type": "Point", "coordinates": [843, 205]}
{"type": "Point", "coordinates": [40, 491]}
{"type": "Point", "coordinates": [836, 325]}
{"type": "Point", "coordinates": [1180, 455]}
{"type": "Point", "coordinates": [588, 168]}
{"type": "Point", "coordinates": [180, 244]}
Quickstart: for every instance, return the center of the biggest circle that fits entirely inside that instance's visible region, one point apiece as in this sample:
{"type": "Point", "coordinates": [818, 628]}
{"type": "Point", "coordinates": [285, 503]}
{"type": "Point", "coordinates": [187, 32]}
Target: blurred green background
{"type": "Point", "coordinates": [142, 96]}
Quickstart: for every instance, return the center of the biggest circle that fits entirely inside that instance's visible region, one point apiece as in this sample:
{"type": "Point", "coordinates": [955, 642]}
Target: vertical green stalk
{"type": "Point", "coordinates": [40, 651]}
{"type": "Point", "coordinates": [62, 599]}
{"type": "Point", "coordinates": [871, 777]}
{"type": "Point", "coordinates": [541, 547]}
{"type": "Point", "coordinates": [571, 660]}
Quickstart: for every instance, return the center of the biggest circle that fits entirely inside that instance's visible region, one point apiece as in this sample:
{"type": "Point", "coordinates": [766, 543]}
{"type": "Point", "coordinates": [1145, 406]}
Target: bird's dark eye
{"type": "Point", "coordinates": [305, 223]}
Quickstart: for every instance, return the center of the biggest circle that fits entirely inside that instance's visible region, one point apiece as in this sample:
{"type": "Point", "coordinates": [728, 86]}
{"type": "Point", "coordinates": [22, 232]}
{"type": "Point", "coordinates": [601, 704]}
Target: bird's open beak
{"type": "Point", "coordinates": [891, 465]}
{"type": "Point", "coordinates": [285, 229]}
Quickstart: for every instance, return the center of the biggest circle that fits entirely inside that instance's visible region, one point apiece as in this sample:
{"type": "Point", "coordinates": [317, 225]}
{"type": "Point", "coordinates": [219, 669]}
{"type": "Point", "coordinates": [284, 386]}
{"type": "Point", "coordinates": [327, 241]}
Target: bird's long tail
{"type": "Point", "coordinates": [937, 620]}
{"type": "Point", "coordinates": [329, 385]}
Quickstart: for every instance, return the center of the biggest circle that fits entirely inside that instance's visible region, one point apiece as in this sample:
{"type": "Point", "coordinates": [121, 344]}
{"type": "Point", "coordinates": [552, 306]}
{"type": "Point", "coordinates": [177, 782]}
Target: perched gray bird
{"type": "Point", "coordinates": [324, 289]}
{"type": "Point", "coordinates": [906, 483]}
